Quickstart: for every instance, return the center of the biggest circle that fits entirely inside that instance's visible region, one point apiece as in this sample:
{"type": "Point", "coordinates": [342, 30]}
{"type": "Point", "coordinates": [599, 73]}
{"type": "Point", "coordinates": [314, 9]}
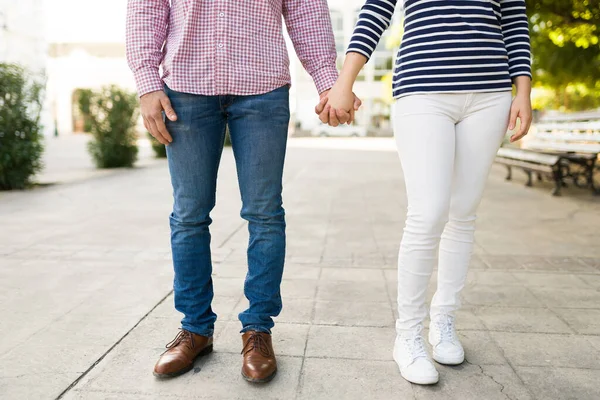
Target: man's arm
{"type": "Point", "coordinates": [147, 22]}
{"type": "Point", "coordinates": [146, 32]}
{"type": "Point", "coordinates": [374, 18]}
{"type": "Point", "coordinates": [309, 26]}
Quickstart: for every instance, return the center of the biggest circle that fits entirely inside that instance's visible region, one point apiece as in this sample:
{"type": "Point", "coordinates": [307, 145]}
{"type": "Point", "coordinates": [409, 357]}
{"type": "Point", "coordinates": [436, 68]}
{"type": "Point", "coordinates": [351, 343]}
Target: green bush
{"type": "Point", "coordinates": [160, 150]}
{"type": "Point", "coordinates": [85, 104]}
{"type": "Point", "coordinates": [21, 138]}
{"type": "Point", "coordinates": [113, 115]}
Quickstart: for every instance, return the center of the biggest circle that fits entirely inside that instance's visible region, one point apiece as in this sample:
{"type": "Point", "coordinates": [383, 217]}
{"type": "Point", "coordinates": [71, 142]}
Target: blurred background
{"type": "Point", "coordinates": [80, 45]}
{"type": "Point", "coordinates": [86, 299]}
{"type": "Point", "coordinates": [74, 52]}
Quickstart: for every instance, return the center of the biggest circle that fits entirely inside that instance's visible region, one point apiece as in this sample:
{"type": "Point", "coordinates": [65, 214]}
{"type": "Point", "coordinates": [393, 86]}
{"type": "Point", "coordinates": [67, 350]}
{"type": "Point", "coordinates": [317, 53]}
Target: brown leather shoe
{"type": "Point", "coordinates": [181, 353]}
{"type": "Point", "coordinates": [259, 358]}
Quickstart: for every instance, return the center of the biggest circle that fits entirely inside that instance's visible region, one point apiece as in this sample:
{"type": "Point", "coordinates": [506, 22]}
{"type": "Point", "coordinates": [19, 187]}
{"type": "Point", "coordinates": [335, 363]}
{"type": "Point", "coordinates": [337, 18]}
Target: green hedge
{"type": "Point", "coordinates": [21, 137]}
{"type": "Point", "coordinates": [160, 150]}
{"type": "Point", "coordinates": [113, 114]}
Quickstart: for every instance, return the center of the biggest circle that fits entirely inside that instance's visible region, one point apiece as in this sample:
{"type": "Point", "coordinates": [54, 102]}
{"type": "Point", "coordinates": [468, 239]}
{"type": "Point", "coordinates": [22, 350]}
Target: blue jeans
{"type": "Point", "coordinates": [258, 127]}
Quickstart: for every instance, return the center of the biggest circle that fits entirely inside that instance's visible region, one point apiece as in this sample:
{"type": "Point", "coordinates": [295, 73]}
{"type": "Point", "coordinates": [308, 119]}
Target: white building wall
{"type": "Point", "coordinates": [22, 33]}
{"type": "Point", "coordinates": [22, 41]}
{"type": "Point", "coordinates": [79, 25]}
{"type": "Point", "coordinates": [79, 70]}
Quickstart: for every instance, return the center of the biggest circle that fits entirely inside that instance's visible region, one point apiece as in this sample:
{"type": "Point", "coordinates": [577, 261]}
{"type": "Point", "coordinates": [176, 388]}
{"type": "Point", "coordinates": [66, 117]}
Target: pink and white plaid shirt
{"type": "Point", "coordinates": [221, 47]}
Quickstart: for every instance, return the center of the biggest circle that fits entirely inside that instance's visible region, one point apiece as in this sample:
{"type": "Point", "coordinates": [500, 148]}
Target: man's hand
{"type": "Point", "coordinates": [153, 104]}
{"type": "Point", "coordinates": [333, 116]}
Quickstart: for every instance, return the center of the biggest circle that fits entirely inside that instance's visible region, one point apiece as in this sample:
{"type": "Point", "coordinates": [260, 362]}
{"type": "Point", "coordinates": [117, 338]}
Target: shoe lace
{"type": "Point", "coordinates": [182, 337]}
{"type": "Point", "coordinates": [445, 325]}
{"type": "Point", "coordinates": [415, 343]}
{"type": "Point", "coordinates": [257, 342]}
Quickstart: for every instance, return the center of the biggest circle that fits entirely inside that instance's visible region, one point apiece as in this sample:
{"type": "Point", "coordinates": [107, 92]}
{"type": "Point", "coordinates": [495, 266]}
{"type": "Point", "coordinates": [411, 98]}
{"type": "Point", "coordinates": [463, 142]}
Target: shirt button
{"type": "Point", "coordinates": [220, 44]}
{"type": "Point", "coordinates": [221, 14]}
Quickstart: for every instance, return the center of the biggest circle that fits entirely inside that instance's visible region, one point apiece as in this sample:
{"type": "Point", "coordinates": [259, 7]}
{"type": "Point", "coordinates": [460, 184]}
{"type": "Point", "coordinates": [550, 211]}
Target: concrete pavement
{"type": "Point", "coordinates": [86, 304]}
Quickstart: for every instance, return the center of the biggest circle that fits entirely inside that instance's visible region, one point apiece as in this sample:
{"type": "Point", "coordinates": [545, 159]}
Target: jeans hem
{"type": "Point", "coordinates": [255, 328]}
{"type": "Point", "coordinates": [197, 331]}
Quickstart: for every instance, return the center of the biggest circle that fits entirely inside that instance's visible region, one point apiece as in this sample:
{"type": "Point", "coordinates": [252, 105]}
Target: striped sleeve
{"type": "Point", "coordinates": [374, 18]}
{"type": "Point", "coordinates": [515, 28]}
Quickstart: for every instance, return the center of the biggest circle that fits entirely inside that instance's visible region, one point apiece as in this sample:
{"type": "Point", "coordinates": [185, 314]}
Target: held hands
{"type": "Point", "coordinates": [153, 104]}
{"type": "Point", "coordinates": [337, 106]}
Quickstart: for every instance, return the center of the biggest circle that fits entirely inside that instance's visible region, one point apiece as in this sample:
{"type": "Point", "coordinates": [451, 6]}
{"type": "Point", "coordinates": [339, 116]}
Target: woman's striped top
{"type": "Point", "coordinates": [450, 46]}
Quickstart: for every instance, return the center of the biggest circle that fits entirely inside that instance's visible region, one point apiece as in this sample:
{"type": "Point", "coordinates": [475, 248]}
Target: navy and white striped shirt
{"type": "Point", "coordinates": [450, 46]}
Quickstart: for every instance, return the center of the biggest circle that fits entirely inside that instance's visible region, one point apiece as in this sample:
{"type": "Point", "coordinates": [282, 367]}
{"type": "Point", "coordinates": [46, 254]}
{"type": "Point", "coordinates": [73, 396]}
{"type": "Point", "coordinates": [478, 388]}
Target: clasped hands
{"type": "Point", "coordinates": [338, 105]}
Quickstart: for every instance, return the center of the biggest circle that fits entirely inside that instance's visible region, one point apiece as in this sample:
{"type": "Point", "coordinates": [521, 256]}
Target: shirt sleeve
{"type": "Point", "coordinates": [309, 26]}
{"type": "Point", "coordinates": [146, 31]}
{"type": "Point", "coordinates": [374, 18]}
{"type": "Point", "coordinates": [515, 29]}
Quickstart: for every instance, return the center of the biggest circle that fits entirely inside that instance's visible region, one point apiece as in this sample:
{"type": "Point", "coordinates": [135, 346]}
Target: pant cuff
{"type": "Point", "coordinates": [255, 328]}
{"type": "Point", "coordinates": [208, 332]}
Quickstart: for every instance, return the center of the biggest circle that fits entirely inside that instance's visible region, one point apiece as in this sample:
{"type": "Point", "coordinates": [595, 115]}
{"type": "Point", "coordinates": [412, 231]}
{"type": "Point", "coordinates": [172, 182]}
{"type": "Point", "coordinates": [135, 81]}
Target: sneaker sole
{"type": "Point", "coordinates": [264, 380]}
{"type": "Point", "coordinates": [207, 350]}
{"type": "Point", "coordinates": [427, 380]}
{"type": "Point", "coordinates": [448, 360]}
{"type": "Point", "coordinates": [422, 380]}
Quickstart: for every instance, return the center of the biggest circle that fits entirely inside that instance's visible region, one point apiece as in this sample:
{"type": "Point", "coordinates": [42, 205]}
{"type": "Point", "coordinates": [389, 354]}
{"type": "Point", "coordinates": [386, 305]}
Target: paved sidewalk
{"type": "Point", "coordinates": [66, 160]}
{"type": "Point", "coordinates": [85, 281]}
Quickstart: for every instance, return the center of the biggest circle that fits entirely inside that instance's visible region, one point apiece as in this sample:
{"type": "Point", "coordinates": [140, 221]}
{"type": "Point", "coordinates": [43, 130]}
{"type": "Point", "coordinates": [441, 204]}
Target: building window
{"type": "Point", "coordinates": [337, 21]}
{"type": "Point", "coordinates": [383, 64]}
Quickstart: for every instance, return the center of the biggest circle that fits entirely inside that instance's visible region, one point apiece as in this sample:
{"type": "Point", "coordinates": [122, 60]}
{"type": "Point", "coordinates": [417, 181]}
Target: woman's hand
{"type": "Point", "coordinates": [521, 108]}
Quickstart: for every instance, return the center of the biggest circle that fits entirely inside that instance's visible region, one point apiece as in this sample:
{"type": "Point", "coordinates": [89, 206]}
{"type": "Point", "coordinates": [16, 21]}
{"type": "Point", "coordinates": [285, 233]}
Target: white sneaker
{"type": "Point", "coordinates": [444, 340]}
{"type": "Point", "coordinates": [412, 358]}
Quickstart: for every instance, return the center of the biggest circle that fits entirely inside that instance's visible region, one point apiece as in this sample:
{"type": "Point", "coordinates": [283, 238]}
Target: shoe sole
{"type": "Point", "coordinates": [207, 350]}
{"type": "Point", "coordinates": [432, 380]}
{"type": "Point", "coordinates": [264, 380]}
{"type": "Point", "coordinates": [421, 381]}
{"type": "Point", "coordinates": [448, 360]}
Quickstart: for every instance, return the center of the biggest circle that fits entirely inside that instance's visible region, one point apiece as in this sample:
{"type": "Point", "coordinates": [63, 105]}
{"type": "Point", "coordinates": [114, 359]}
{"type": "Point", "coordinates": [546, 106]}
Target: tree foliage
{"type": "Point", "coordinates": [565, 37]}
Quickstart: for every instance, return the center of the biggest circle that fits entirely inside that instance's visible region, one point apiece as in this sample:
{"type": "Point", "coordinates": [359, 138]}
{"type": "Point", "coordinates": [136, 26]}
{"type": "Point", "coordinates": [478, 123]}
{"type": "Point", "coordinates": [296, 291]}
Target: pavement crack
{"type": "Point", "coordinates": [492, 378]}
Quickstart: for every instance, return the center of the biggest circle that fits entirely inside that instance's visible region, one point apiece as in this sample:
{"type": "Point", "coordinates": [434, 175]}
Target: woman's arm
{"type": "Point", "coordinates": [521, 108]}
{"type": "Point", "coordinates": [374, 18]}
{"type": "Point", "coordinates": [515, 29]}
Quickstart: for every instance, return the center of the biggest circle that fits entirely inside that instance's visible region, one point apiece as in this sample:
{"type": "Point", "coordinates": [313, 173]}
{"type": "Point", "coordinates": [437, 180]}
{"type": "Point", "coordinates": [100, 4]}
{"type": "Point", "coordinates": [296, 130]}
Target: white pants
{"type": "Point", "coordinates": [447, 144]}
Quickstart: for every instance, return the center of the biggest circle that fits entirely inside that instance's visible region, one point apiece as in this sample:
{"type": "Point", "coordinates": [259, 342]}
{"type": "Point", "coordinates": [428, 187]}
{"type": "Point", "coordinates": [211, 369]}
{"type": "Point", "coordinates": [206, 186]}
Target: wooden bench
{"type": "Point", "coordinates": [530, 162]}
{"type": "Point", "coordinates": [564, 147]}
